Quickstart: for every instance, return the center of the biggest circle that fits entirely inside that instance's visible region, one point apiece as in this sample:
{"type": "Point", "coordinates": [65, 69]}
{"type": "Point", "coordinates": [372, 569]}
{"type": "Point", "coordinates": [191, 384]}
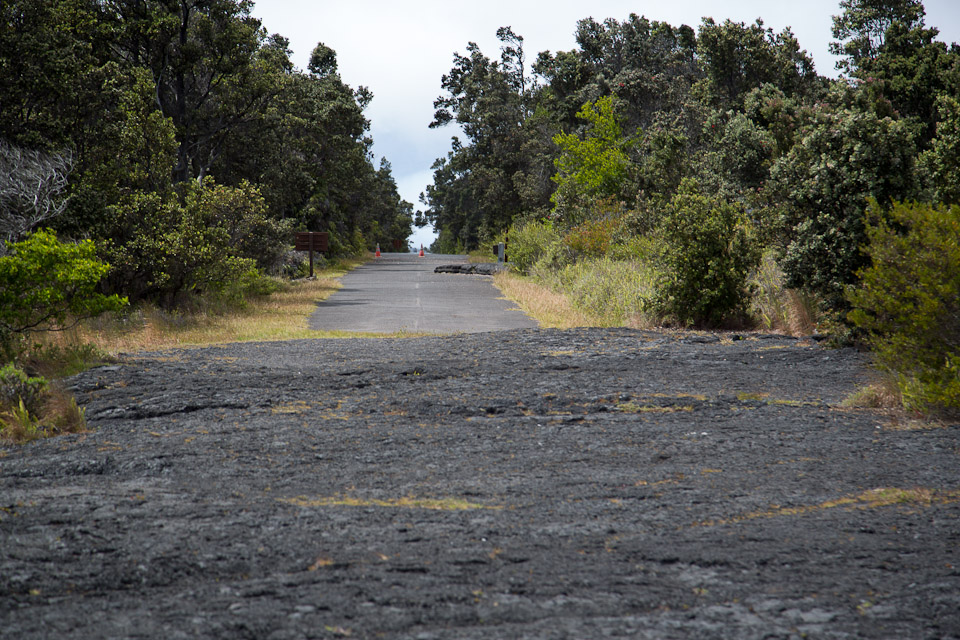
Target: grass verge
{"type": "Point", "coordinates": [281, 315]}
{"type": "Point", "coordinates": [551, 309]}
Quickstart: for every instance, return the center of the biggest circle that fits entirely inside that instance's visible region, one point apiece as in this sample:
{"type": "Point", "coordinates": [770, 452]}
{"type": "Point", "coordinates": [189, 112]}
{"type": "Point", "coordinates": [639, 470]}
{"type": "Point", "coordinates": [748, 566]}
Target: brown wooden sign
{"type": "Point", "coordinates": [312, 241]}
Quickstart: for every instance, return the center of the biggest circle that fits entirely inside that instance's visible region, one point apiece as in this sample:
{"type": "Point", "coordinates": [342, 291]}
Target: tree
{"type": "Point", "coordinates": [912, 70]}
{"type": "Point", "coordinates": [737, 59]}
{"type": "Point", "coordinates": [940, 165]}
{"type": "Point", "coordinates": [593, 166]}
{"type": "Point", "coordinates": [485, 98]}
{"type": "Point", "coordinates": [648, 66]}
{"type": "Point", "coordinates": [846, 156]}
{"type": "Point", "coordinates": [52, 53]}
{"type": "Point", "coordinates": [323, 61]}
{"type": "Point", "coordinates": [202, 55]}
{"type": "Point", "coordinates": [862, 27]}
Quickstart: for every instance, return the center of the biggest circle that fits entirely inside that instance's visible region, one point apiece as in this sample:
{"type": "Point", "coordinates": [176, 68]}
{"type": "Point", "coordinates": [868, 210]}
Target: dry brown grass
{"type": "Point", "coordinates": [778, 308]}
{"type": "Point", "coordinates": [282, 315]}
{"type": "Point", "coordinates": [551, 309]}
{"type": "Point", "coordinates": [882, 393]}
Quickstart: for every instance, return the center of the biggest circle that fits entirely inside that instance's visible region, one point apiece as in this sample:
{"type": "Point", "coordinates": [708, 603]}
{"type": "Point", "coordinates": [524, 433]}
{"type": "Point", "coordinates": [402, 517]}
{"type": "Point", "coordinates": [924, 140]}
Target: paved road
{"type": "Point", "coordinates": [401, 292]}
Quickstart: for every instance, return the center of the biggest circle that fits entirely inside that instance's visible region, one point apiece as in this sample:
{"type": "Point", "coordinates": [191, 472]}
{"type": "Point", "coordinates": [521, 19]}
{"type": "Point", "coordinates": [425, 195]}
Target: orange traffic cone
{"type": "Point", "coordinates": [421, 251]}
{"type": "Point", "coordinates": [377, 254]}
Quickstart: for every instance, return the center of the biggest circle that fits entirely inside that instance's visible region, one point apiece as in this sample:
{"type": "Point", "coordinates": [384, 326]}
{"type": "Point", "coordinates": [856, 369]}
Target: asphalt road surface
{"type": "Point", "coordinates": [401, 292]}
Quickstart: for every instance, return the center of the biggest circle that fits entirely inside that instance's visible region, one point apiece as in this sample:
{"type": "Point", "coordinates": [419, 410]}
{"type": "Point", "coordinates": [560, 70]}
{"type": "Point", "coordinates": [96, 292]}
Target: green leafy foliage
{"type": "Point", "coordinates": [242, 213]}
{"type": "Point", "coordinates": [593, 166]}
{"type": "Point", "coordinates": [940, 165]}
{"type": "Point", "coordinates": [44, 281]}
{"type": "Point", "coordinates": [743, 156]}
{"type": "Point", "coordinates": [707, 254]}
{"type": "Point", "coordinates": [845, 156]}
{"type": "Point", "coordinates": [31, 408]}
{"type": "Point", "coordinates": [174, 251]}
{"type": "Point", "coordinates": [18, 390]}
{"type": "Point", "coordinates": [533, 243]}
{"type": "Point", "coordinates": [908, 301]}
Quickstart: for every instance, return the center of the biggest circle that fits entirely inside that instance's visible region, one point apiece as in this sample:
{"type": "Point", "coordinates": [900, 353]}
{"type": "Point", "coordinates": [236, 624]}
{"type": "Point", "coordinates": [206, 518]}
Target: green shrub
{"type": "Point", "coordinates": [174, 252]}
{"type": "Point", "coordinates": [908, 301]}
{"type": "Point", "coordinates": [18, 389]}
{"type": "Point", "coordinates": [707, 254]}
{"type": "Point", "coordinates": [532, 242]}
{"type": "Point", "coordinates": [44, 281]}
{"type": "Point", "coordinates": [248, 284]}
{"type": "Point", "coordinates": [242, 213]}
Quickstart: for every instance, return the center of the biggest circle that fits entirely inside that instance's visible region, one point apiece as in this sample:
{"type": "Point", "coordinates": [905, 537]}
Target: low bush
{"type": "Point", "coordinates": [908, 301]}
{"type": "Point", "coordinates": [530, 243]}
{"type": "Point", "coordinates": [242, 213]}
{"type": "Point", "coordinates": [45, 283]}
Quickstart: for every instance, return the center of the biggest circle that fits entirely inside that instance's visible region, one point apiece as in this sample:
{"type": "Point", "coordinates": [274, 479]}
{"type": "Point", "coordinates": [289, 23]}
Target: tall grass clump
{"type": "Point", "coordinates": [614, 291]}
{"type": "Point", "coordinates": [776, 307]}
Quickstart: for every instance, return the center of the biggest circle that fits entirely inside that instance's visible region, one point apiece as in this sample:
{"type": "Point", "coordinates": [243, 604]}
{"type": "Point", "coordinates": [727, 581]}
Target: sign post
{"type": "Point", "coordinates": [312, 241]}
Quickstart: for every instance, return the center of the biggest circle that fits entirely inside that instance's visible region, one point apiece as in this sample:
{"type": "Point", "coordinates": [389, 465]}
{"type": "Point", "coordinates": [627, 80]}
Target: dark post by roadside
{"type": "Point", "coordinates": [312, 241]}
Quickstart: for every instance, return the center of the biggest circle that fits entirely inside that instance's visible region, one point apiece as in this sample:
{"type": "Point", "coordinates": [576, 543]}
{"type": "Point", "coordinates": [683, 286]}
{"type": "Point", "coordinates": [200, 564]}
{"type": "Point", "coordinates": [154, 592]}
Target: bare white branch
{"type": "Point", "coordinates": [32, 186]}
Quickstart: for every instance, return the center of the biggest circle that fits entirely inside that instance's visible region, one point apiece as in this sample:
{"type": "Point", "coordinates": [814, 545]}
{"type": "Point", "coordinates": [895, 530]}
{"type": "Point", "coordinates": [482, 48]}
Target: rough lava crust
{"type": "Point", "coordinates": [524, 484]}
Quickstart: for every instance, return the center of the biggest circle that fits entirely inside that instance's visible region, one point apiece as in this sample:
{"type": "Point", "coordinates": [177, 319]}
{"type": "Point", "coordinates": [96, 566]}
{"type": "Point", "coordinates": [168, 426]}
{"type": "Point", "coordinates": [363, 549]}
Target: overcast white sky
{"type": "Point", "coordinates": [400, 50]}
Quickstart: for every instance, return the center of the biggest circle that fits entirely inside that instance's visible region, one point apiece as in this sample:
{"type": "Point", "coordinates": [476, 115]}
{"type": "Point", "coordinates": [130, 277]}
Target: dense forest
{"type": "Point", "coordinates": [179, 139]}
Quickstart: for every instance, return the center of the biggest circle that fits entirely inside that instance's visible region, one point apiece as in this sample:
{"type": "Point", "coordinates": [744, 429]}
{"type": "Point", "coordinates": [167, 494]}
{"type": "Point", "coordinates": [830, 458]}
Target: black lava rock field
{"type": "Point", "coordinates": [588, 483]}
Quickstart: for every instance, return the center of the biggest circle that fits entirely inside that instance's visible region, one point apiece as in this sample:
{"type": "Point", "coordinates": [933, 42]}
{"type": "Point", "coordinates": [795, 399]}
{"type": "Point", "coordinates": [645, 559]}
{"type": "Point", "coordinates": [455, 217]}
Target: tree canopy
{"type": "Point", "coordinates": [134, 105]}
{"type": "Point", "coordinates": [638, 106]}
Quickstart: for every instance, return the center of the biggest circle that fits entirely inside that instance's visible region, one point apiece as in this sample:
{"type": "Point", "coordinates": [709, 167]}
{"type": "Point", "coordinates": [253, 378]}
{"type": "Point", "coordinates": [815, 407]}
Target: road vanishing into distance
{"type": "Point", "coordinates": [401, 292]}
